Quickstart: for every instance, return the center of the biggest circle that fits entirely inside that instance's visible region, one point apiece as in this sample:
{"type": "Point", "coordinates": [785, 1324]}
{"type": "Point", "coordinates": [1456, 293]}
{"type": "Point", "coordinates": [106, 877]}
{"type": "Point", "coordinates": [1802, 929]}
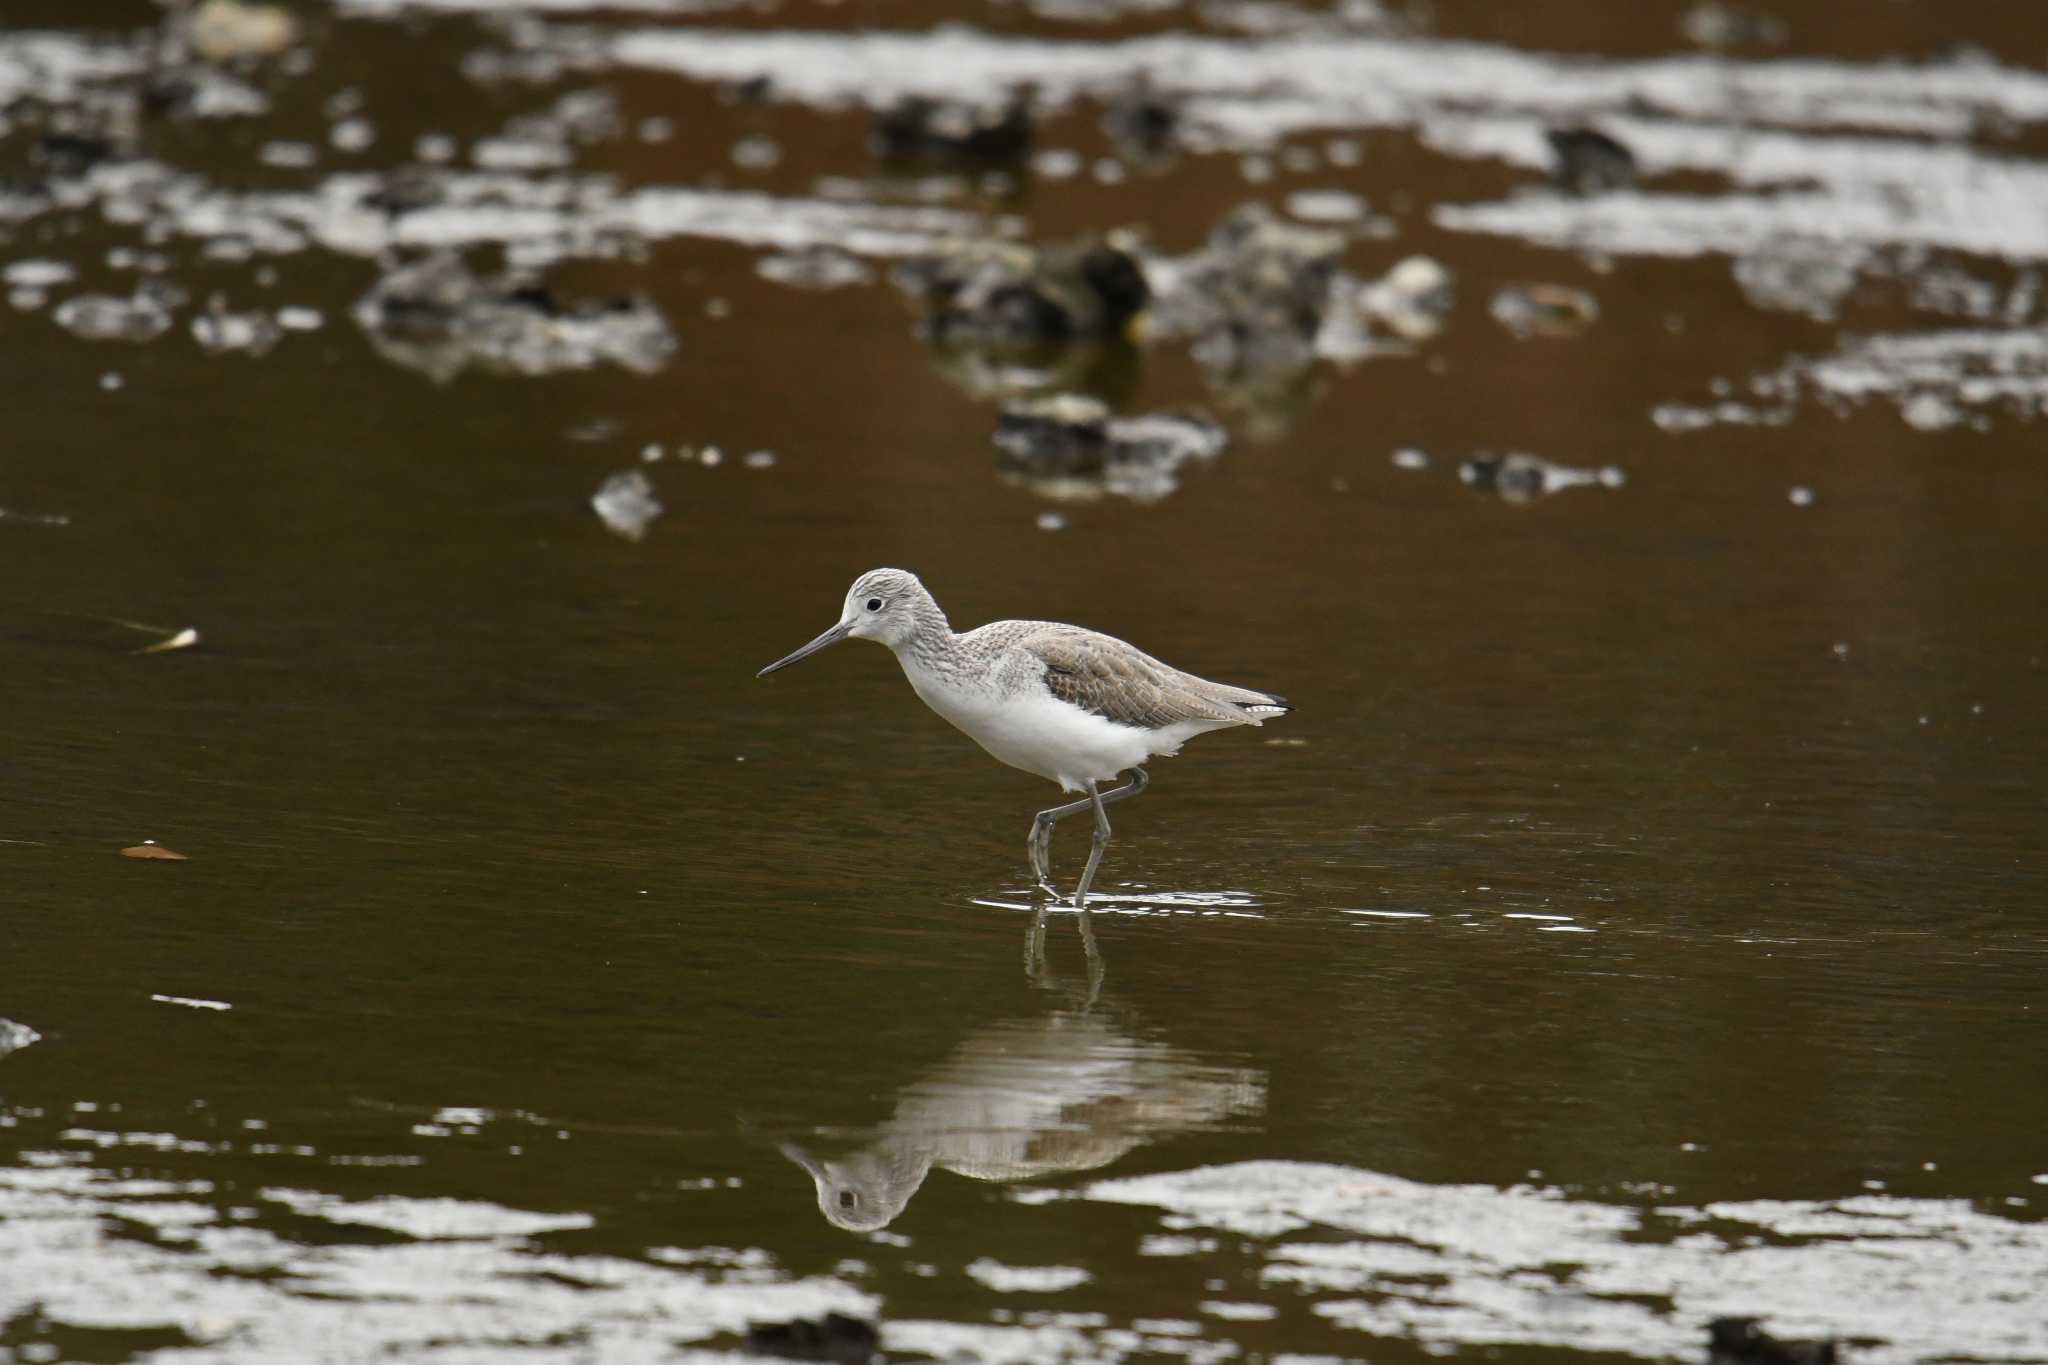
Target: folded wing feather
{"type": "Point", "coordinates": [1103, 675]}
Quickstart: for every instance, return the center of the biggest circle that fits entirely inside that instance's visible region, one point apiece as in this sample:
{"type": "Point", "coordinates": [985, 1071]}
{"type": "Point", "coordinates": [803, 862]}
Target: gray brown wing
{"type": "Point", "coordinates": [1108, 677]}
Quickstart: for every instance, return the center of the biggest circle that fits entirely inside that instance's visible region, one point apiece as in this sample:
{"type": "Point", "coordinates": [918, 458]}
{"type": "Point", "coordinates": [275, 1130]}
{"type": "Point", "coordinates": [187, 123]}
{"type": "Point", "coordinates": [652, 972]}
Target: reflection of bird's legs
{"type": "Point", "coordinates": [1039, 972]}
{"type": "Point", "coordinates": [1096, 970]}
{"type": "Point", "coordinates": [1039, 843]}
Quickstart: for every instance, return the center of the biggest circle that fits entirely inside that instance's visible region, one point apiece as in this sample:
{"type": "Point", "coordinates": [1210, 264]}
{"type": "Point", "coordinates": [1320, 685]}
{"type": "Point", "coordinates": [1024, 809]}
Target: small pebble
{"type": "Point", "coordinates": [759, 459]}
{"type": "Point", "coordinates": [1057, 163]}
{"type": "Point", "coordinates": [1410, 459]}
{"type": "Point", "coordinates": [1051, 521]}
{"type": "Point", "coordinates": [292, 155]}
{"type": "Point", "coordinates": [111, 380]}
{"type": "Point", "coordinates": [1800, 495]}
{"type": "Point", "coordinates": [352, 135]}
{"type": "Point", "coordinates": [756, 153]}
{"type": "Point", "coordinates": [709, 456]}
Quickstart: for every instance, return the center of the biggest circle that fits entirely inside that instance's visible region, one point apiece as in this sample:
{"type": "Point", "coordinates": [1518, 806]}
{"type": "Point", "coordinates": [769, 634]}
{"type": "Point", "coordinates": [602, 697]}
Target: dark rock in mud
{"type": "Point", "coordinates": [202, 92]}
{"type": "Point", "coordinates": [1062, 433]}
{"type": "Point", "coordinates": [917, 128]}
{"type": "Point", "coordinates": [406, 190]}
{"type": "Point", "coordinates": [1589, 162]}
{"type": "Point", "coordinates": [752, 90]}
{"type": "Point", "coordinates": [835, 1337]}
{"type": "Point", "coordinates": [1007, 293]}
{"type": "Point", "coordinates": [1142, 125]}
{"type": "Point", "coordinates": [436, 317]}
{"type": "Point", "coordinates": [1743, 1341]}
{"type": "Point", "coordinates": [168, 93]}
{"type": "Point", "coordinates": [68, 156]}
{"type": "Point", "coordinates": [1069, 445]}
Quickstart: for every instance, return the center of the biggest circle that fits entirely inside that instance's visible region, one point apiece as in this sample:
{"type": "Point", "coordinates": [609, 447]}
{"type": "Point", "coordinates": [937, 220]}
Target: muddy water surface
{"type": "Point", "coordinates": [1638, 922]}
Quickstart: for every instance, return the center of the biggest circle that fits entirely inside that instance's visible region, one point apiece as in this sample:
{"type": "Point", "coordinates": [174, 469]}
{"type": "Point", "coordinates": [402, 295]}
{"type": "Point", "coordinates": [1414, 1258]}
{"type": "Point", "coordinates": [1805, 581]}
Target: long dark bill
{"type": "Point", "coordinates": [830, 637]}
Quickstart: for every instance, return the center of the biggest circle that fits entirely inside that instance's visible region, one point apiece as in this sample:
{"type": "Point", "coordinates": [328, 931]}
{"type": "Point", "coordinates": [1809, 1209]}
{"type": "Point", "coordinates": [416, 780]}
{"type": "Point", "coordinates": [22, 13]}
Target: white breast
{"type": "Point", "coordinates": [1033, 730]}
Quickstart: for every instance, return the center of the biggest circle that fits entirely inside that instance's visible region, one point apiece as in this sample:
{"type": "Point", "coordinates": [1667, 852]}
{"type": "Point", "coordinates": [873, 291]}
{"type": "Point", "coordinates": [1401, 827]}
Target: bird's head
{"type": "Point", "coordinates": [886, 605]}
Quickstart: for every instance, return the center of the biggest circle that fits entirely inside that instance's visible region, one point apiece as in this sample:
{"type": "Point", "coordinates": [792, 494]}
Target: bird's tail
{"type": "Point", "coordinates": [1256, 707]}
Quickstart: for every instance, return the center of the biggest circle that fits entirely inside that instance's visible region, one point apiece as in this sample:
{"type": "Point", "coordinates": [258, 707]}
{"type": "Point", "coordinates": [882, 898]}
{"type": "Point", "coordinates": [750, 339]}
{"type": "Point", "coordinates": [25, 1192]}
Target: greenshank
{"type": "Point", "coordinates": [1071, 705]}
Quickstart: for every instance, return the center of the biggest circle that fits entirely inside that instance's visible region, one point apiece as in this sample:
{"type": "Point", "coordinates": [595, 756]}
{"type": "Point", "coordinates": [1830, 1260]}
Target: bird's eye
{"type": "Point", "coordinates": [846, 1199]}
{"type": "Point", "coordinates": [874, 604]}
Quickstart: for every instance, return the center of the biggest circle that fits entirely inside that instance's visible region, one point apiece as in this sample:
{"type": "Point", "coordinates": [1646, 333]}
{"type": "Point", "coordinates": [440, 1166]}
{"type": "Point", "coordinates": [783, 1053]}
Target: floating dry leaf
{"type": "Point", "coordinates": [191, 1002]}
{"type": "Point", "coordinates": [1547, 310]}
{"type": "Point", "coordinates": [184, 639]}
{"type": "Point", "coordinates": [227, 30]}
{"type": "Point", "coordinates": [150, 848]}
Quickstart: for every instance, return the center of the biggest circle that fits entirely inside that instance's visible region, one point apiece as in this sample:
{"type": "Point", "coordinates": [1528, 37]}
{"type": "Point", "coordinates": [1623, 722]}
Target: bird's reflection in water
{"type": "Point", "coordinates": [1071, 1089]}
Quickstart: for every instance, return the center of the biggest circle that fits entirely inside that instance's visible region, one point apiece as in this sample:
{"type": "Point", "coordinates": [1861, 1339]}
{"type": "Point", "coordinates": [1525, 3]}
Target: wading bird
{"type": "Point", "coordinates": [1072, 705]}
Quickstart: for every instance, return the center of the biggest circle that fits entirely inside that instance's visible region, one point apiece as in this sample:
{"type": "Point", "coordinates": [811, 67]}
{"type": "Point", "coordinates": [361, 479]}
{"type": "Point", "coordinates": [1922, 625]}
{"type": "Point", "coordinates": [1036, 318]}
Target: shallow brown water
{"type": "Point", "coordinates": [1639, 920]}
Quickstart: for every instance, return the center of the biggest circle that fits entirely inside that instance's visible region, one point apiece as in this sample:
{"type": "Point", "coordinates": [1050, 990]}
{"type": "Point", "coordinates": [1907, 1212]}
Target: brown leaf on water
{"type": "Point", "coordinates": [150, 848]}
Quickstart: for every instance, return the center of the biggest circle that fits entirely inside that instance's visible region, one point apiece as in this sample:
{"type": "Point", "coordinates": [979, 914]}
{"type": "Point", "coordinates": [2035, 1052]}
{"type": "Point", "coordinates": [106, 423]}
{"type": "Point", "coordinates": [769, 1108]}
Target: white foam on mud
{"type": "Point", "coordinates": [60, 67]}
{"type": "Point", "coordinates": [1936, 380]}
{"type": "Point", "coordinates": [246, 1294]}
{"type": "Point", "coordinates": [1473, 1265]}
{"type": "Point", "coordinates": [1828, 151]}
{"type": "Point", "coordinates": [428, 1219]}
{"type": "Point", "coordinates": [14, 1037]}
{"type": "Point", "coordinates": [390, 9]}
{"type": "Point", "coordinates": [547, 218]}
{"type": "Point", "coordinates": [1326, 80]}
{"type": "Point", "coordinates": [1974, 367]}
{"type": "Point", "coordinates": [1026, 1279]}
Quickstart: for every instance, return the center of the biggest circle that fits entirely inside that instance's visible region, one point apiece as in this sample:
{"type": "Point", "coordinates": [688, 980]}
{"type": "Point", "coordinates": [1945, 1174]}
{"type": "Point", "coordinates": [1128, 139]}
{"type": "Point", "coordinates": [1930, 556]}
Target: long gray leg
{"type": "Point", "coordinates": [1038, 844]}
{"type": "Point", "coordinates": [1139, 781]}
